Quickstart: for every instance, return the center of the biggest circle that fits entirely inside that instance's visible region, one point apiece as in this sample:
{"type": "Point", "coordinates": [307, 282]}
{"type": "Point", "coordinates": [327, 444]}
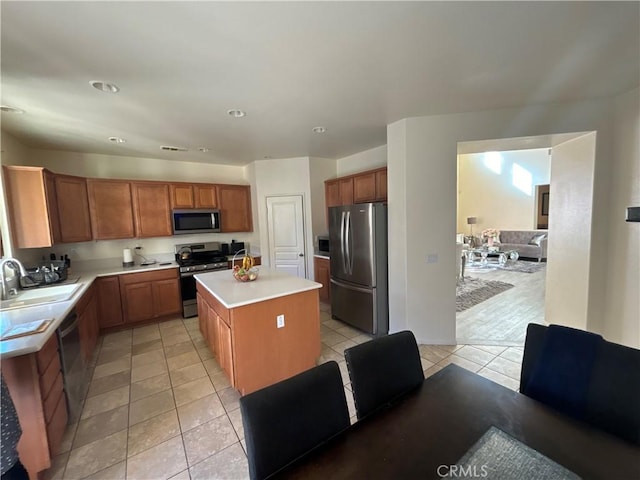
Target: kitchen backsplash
{"type": "Point", "coordinates": [160, 249]}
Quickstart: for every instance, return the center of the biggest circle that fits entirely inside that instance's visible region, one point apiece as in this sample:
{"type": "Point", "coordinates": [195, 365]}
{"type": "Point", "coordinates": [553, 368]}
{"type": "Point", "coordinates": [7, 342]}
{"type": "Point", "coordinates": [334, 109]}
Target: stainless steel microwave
{"type": "Point", "coordinates": [196, 221]}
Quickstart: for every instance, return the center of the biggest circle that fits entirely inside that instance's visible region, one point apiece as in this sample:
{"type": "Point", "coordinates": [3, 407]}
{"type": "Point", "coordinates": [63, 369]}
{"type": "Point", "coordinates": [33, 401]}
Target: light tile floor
{"type": "Point", "coordinates": [160, 407]}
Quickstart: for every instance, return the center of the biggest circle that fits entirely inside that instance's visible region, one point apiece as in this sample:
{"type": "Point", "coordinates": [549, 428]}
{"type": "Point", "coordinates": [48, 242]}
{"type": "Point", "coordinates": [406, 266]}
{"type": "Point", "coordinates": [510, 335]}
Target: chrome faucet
{"type": "Point", "coordinates": [16, 266]}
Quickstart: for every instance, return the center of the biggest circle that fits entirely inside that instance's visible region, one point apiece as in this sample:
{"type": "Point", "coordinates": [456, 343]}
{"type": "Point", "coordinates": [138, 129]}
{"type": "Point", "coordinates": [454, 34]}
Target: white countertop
{"type": "Point", "coordinates": [58, 310]}
{"type": "Point", "coordinates": [269, 284]}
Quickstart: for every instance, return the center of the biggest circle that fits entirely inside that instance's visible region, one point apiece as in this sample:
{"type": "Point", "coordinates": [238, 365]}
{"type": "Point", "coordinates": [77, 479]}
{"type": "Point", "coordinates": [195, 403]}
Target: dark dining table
{"type": "Point", "coordinates": [432, 430]}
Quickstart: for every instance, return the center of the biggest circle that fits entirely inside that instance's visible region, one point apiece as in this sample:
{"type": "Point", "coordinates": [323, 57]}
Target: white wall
{"type": "Point", "coordinates": [492, 198]}
{"type": "Point", "coordinates": [623, 249]}
{"type": "Point", "coordinates": [422, 174]}
{"type": "Point", "coordinates": [569, 245]}
{"type": "Point", "coordinates": [362, 161]}
{"type": "Point", "coordinates": [288, 176]}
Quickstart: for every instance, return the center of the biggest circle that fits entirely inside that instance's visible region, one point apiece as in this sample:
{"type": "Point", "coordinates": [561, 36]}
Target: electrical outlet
{"type": "Point", "coordinates": [138, 246]}
{"type": "Point", "coordinates": [280, 321]}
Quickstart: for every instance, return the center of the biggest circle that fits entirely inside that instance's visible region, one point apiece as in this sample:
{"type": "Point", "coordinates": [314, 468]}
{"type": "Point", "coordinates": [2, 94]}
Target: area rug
{"type": "Point", "coordinates": [472, 291]}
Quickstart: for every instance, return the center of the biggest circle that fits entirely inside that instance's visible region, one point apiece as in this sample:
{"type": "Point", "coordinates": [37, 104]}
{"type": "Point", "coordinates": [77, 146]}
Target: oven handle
{"type": "Point", "coordinates": [70, 328]}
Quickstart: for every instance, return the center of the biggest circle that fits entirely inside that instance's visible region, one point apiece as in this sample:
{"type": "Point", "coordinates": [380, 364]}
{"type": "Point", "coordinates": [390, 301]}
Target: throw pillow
{"type": "Point", "coordinates": [536, 239]}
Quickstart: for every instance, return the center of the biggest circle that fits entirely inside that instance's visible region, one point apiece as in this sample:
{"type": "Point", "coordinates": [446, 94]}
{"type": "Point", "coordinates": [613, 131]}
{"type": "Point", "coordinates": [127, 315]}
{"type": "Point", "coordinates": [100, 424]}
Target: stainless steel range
{"type": "Point", "coordinates": [196, 258]}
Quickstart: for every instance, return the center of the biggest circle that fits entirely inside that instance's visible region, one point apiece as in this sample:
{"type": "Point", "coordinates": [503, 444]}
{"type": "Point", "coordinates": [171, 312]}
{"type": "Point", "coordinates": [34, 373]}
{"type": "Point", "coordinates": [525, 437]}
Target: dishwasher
{"type": "Point", "coordinates": [74, 367]}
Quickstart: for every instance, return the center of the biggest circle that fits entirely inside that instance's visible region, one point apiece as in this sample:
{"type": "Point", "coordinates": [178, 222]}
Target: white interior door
{"type": "Point", "coordinates": [285, 222]}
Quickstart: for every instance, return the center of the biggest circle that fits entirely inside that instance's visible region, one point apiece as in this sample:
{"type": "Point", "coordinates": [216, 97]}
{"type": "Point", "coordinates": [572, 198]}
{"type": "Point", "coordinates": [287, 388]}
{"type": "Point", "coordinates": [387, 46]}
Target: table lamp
{"type": "Point", "coordinates": [472, 221]}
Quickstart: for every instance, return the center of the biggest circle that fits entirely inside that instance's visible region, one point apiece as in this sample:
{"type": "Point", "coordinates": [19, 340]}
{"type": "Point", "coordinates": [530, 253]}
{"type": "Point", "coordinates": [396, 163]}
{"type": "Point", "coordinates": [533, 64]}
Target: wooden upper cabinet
{"type": "Point", "coordinates": [370, 186]}
{"type": "Point", "coordinates": [32, 206]}
{"type": "Point", "coordinates": [152, 209]}
{"type": "Point", "coordinates": [73, 208]}
{"type": "Point", "coordinates": [235, 208]}
{"type": "Point", "coordinates": [332, 193]}
{"type": "Point", "coordinates": [184, 195]}
{"type": "Point", "coordinates": [364, 188]}
{"type": "Point", "coordinates": [346, 191]}
{"type": "Point", "coordinates": [111, 209]}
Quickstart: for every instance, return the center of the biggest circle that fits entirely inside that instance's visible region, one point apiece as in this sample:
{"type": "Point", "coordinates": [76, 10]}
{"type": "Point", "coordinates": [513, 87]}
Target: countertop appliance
{"type": "Point", "coordinates": [195, 258]}
{"type": "Point", "coordinates": [358, 251]}
{"type": "Point", "coordinates": [75, 371]}
{"type": "Point", "coordinates": [195, 221]}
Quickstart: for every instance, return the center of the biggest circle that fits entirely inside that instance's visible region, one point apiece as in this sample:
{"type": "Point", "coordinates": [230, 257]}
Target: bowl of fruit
{"type": "Point", "coordinates": [246, 272]}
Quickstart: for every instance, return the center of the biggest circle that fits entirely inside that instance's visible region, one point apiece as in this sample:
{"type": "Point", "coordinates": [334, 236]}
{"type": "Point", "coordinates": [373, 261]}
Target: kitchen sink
{"type": "Point", "coordinates": [39, 296]}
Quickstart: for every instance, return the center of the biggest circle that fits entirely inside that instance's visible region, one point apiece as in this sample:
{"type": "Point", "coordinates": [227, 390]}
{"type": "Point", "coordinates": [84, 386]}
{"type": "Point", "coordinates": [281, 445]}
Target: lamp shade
{"type": "Point", "coordinates": [472, 220]}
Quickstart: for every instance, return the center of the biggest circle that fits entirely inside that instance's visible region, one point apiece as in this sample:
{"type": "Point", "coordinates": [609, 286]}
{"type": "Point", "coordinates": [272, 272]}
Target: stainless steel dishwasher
{"type": "Point", "coordinates": [74, 368]}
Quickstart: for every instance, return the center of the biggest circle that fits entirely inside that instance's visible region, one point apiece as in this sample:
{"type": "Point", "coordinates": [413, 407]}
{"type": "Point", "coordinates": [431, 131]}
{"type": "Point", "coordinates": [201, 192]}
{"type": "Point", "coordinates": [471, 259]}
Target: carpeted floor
{"type": "Point", "coordinates": [472, 291]}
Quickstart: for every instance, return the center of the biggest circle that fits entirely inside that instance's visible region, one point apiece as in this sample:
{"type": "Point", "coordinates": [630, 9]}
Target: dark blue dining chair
{"type": "Point", "coordinates": [286, 420]}
{"type": "Point", "coordinates": [383, 370]}
{"type": "Point", "coordinates": [584, 376]}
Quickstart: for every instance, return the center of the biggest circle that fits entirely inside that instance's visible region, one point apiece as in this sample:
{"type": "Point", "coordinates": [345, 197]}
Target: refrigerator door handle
{"type": "Point", "coordinates": [343, 254]}
{"type": "Point", "coordinates": [349, 244]}
{"type": "Point", "coordinates": [351, 286]}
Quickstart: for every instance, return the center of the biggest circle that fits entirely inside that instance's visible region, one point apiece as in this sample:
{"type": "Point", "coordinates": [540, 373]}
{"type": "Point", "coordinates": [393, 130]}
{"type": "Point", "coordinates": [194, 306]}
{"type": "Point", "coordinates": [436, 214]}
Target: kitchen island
{"type": "Point", "coordinates": [263, 331]}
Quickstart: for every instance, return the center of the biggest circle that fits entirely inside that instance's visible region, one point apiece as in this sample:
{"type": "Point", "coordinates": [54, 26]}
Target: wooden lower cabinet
{"type": "Point", "coordinates": [150, 295]}
{"type": "Point", "coordinates": [322, 270]}
{"type": "Point", "coordinates": [87, 311]}
{"type": "Point", "coordinates": [35, 384]}
{"type": "Point", "coordinates": [109, 301]}
{"type": "Point", "coordinates": [249, 347]}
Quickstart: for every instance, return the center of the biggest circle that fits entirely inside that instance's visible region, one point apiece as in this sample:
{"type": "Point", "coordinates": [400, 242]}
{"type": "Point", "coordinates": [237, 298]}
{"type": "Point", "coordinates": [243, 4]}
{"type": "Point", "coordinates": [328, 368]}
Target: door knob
{"type": "Point", "coordinates": [301, 254]}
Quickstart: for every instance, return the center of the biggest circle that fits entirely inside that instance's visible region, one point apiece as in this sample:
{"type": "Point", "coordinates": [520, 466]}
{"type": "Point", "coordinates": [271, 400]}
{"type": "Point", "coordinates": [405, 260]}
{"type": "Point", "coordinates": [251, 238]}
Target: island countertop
{"type": "Point", "coordinates": [269, 284]}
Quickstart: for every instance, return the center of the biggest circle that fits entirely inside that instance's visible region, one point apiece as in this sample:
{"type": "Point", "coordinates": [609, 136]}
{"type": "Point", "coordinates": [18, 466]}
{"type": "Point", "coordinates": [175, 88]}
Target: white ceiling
{"type": "Point", "coordinates": [352, 67]}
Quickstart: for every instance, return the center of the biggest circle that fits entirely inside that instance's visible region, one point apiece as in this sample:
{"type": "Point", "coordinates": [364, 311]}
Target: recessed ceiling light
{"type": "Point", "coordinates": [318, 129]}
{"type": "Point", "coordinates": [203, 149]}
{"type": "Point", "coordinates": [236, 113]}
{"type": "Point", "coordinates": [8, 109]}
{"type": "Point", "coordinates": [104, 86]}
{"type": "Point", "coordinates": [117, 140]}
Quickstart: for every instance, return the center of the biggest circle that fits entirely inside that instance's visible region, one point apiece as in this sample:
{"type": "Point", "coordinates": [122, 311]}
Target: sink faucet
{"type": "Point", "coordinates": [16, 266]}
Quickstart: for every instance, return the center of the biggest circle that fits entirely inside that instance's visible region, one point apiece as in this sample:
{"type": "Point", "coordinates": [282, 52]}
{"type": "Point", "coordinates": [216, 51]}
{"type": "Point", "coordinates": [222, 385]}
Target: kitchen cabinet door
{"type": "Point", "coordinates": [109, 301]}
{"type": "Point", "coordinates": [323, 276]}
{"type": "Point", "coordinates": [206, 196]}
{"type": "Point", "coordinates": [111, 209]}
{"type": "Point", "coordinates": [152, 208]}
{"type": "Point", "coordinates": [364, 188]}
{"type": "Point", "coordinates": [32, 206]}
{"type": "Point", "coordinates": [203, 315]}
{"type": "Point", "coordinates": [166, 297]}
{"type": "Point", "coordinates": [73, 208]}
{"type": "Point", "coordinates": [87, 310]}
{"type": "Point", "coordinates": [213, 337]}
{"type": "Point", "coordinates": [332, 193]}
{"type": "Point", "coordinates": [225, 346]}
{"type": "Point", "coordinates": [137, 302]}
{"type": "Point", "coordinates": [346, 191]}
{"type": "Point", "coordinates": [235, 208]}
{"type": "Point", "coordinates": [182, 196]}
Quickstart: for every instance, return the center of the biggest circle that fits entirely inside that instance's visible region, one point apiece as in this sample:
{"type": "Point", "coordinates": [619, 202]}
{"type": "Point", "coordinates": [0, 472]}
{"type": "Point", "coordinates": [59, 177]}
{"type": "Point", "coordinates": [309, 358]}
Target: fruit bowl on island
{"type": "Point", "coordinates": [245, 272]}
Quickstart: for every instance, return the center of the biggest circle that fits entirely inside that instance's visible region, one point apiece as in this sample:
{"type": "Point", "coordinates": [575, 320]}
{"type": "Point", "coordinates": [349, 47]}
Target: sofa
{"type": "Point", "coordinates": [528, 243]}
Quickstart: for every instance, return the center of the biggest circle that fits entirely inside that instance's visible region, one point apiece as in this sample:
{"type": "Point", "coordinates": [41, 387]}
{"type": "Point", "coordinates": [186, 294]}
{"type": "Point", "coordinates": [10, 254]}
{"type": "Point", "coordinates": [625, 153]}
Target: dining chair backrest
{"type": "Point", "coordinates": [599, 385]}
{"type": "Point", "coordinates": [383, 370]}
{"type": "Point", "coordinates": [286, 420]}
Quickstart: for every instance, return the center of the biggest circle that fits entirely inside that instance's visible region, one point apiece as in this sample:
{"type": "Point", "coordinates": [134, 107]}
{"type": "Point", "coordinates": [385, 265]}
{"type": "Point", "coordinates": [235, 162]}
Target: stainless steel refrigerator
{"type": "Point", "coordinates": [358, 252]}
